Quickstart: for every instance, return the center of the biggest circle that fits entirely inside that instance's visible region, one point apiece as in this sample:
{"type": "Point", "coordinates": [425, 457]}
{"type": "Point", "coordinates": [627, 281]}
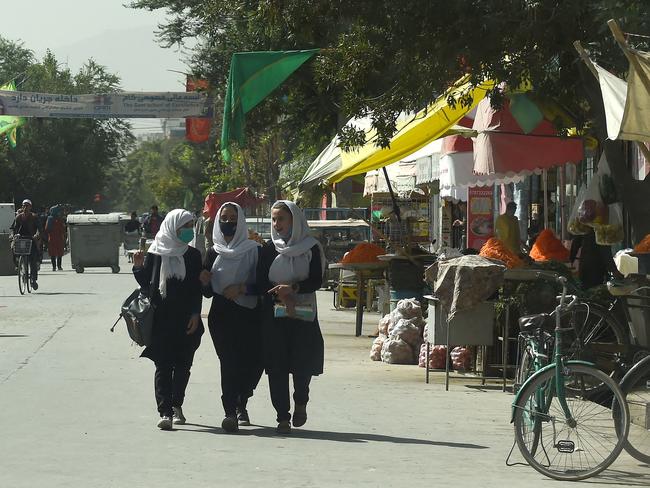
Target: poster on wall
{"type": "Point", "coordinates": [480, 220]}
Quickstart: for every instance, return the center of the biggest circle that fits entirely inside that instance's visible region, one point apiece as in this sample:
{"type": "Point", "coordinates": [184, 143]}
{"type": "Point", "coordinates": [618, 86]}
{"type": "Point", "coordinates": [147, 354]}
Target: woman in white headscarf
{"type": "Point", "coordinates": [234, 320]}
{"type": "Point", "coordinates": [291, 269]}
{"type": "Point", "coordinates": [177, 298]}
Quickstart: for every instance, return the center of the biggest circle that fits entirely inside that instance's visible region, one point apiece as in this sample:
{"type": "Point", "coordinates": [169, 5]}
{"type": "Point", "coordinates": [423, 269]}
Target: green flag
{"type": "Point", "coordinates": [10, 123]}
{"type": "Point", "coordinates": [253, 76]}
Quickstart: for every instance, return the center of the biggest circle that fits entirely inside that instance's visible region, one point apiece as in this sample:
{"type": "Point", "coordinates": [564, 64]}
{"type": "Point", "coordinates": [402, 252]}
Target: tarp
{"type": "Point", "coordinates": [502, 147]}
{"type": "Point", "coordinates": [414, 131]}
{"type": "Point", "coordinates": [242, 196]}
{"type": "Point", "coordinates": [627, 104]}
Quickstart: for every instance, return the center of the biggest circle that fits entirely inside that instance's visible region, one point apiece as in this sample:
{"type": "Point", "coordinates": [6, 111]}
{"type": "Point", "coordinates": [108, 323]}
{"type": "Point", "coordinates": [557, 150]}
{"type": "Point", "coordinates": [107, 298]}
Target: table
{"type": "Point", "coordinates": [362, 271]}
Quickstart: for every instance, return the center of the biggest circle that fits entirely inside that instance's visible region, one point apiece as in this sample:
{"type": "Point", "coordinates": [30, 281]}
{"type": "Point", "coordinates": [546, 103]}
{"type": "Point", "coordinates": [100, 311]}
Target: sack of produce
{"type": "Point", "coordinates": [462, 358]}
{"type": "Point", "coordinates": [409, 331]}
{"type": "Point", "coordinates": [375, 350]}
{"type": "Point", "coordinates": [606, 184]}
{"type": "Point", "coordinates": [547, 247]}
{"type": "Point", "coordinates": [422, 358]}
{"type": "Point", "coordinates": [438, 357]}
{"type": "Point", "coordinates": [576, 227]}
{"type": "Point", "coordinates": [397, 351]}
{"type": "Point", "coordinates": [409, 308]}
{"type": "Point", "coordinates": [495, 249]}
{"type": "Point", "coordinates": [384, 323]}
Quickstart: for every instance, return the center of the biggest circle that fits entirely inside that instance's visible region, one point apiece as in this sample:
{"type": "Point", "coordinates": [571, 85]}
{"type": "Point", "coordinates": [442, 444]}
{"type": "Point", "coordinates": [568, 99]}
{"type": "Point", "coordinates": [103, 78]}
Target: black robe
{"type": "Point", "coordinates": [290, 345]}
{"type": "Point", "coordinates": [170, 341]}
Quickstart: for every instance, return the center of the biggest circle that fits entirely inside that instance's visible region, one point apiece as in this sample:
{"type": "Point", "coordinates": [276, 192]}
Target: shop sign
{"type": "Point", "coordinates": [480, 216]}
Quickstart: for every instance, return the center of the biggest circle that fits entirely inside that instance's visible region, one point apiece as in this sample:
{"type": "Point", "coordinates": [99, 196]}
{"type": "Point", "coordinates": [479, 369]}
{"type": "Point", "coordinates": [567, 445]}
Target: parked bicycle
{"type": "Point", "coordinates": [564, 423]}
{"type": "Point", "coordinates": [22, 251]}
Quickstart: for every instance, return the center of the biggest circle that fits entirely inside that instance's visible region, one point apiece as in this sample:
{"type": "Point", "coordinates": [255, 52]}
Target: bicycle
{"type": "Point", "coordinates": [23, 250]}
{"type": "Point", "coordinates": [564, 423]}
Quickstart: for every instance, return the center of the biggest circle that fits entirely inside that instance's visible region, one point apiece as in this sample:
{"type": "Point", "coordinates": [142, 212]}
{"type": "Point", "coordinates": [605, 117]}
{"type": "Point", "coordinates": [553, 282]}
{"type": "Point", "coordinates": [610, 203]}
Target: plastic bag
{"type": "Point", "coordinates": [612, 232]}
{"type": "Point", "coordinates": [576, 227]}
{"type": "Point", "coordinates": [592, 209]}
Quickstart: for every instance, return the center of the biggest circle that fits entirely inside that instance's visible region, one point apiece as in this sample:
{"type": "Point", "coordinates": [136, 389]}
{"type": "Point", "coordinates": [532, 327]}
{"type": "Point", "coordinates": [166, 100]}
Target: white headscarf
{"type": "Point", "coordinates": [170, 248]}
{"type": "Point", "coordinates": [292, 263]}
{"type": "Point", "coordinates": [236, 261]}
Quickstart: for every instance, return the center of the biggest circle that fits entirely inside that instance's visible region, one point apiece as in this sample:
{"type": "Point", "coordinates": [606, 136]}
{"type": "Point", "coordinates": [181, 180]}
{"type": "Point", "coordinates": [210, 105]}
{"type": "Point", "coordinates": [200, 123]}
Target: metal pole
{"type": "Point", "coordinates": [545, 191]}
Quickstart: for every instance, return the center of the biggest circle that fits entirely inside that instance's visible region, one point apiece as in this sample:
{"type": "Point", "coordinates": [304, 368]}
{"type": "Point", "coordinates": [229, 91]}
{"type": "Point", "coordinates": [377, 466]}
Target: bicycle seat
{"type": "Point", "coordinates": [531, 323]}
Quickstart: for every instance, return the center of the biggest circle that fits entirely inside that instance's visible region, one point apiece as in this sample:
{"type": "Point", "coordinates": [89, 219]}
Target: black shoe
{"type": "Point", "coordinates": [243, 418]}
{"type": "Point", "coordinates": [34, 285]}
{"type": "Point", "coordinates": [284, 427]}
{"type": "Point", "coordinates": [60, 268]}
{"type": "Point", "coordinates": [229, 424]}
{"type": "Point", "coordinates": [299, 415]}
{"type": "Point", "coordinates": [53, 269]}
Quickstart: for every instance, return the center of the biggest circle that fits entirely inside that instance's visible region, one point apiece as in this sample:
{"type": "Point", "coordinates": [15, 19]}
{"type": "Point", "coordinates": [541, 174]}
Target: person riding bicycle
{"type": "Point", "coordinates": [26, 226]}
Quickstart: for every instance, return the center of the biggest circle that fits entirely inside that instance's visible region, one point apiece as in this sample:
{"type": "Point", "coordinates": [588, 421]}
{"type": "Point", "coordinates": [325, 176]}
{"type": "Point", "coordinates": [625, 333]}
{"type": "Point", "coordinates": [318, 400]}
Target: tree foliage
{"type": "Point", "coordinates": [59, 160]}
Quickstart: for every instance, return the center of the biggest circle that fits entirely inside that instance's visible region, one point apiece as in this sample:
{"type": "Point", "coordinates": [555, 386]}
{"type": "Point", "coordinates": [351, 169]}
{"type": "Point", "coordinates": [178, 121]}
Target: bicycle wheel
{"type": "Point", "coordinates": [21, 275]}
{"type": "Point", "coordinates": [636, 390]}
{"type": "Point", "coordinates": [577, 448]}
{"type": "Point", "coordinates": [597, 336]}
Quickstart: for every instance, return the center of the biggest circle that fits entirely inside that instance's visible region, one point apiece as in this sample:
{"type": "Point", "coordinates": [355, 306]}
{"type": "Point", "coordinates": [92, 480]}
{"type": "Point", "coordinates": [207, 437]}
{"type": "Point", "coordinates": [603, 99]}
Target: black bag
{"type": "Point", "coordinates": [138, 312]}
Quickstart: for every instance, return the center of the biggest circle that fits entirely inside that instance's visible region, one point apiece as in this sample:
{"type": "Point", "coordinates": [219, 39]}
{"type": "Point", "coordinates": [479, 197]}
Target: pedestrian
{"type": "Point", "coordinates": [234, 319]}
{"type": "Point", "coordinates": [595, 262]}
{"type": "Point", "coordinates": [152, 222]}
{"type": "Point", "coordinates": [133, 225]}
{"type": "Point", "coordinates": [55, 230]}
{"type": "Point", "coordinates": [507, 228]}
{"type": "Point", "coordinates": [177, 317]}
{"type": "Point", "coordinates": [290, 271]}
{"type": "Point", "coordinates": [26, 226]}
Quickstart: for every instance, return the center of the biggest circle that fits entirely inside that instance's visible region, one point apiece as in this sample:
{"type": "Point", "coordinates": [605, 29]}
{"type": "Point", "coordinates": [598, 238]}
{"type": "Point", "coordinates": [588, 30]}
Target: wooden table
{"type": "Point", "coordinates": [362, 271]}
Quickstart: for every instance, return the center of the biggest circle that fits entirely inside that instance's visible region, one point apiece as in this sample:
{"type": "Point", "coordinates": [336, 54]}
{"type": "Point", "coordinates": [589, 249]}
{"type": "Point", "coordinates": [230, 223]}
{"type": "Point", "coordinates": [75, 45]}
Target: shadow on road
{"type": "Point", "coordinates": [65, 293]}
{"type": "Point", "coordinates": [12, 335]}
{"type": "Point", "coordinates": [262, 431]}
{"type": "Point", "coordinates": [619, 477]}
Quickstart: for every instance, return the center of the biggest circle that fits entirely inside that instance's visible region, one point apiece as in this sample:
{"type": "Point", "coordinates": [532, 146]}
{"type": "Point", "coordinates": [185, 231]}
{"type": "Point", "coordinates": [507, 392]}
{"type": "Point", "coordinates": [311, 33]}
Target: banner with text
{"type": "Point", "coordinates": [155, 105]}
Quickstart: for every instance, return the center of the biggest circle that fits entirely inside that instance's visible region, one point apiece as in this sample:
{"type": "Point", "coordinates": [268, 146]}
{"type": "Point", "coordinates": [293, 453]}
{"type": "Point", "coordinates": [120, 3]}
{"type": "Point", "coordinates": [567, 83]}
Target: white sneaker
{"type": "Point", "coordinates": [178, 417]}
{"type": "Point", "coordinates": [165, 423]}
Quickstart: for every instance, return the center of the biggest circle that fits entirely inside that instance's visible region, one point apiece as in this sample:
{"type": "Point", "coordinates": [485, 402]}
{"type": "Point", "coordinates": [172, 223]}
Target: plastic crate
{"type": "Point", "coordinates": [23, 247]}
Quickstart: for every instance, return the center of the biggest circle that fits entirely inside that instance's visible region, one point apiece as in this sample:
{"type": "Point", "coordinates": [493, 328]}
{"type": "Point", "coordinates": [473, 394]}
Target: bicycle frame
{"type": "Point", "coordinates": [559, 363]}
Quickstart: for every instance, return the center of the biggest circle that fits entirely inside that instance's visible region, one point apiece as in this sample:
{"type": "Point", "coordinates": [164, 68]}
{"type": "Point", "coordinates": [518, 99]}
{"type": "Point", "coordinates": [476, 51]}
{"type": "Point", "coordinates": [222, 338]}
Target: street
{"type": "Point", "coordinates": [78, 410]}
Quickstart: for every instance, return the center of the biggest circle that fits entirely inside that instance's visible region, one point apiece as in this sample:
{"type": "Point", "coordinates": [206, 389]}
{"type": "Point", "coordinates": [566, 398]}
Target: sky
{"type": "Point", "coordinates": [120, 38]}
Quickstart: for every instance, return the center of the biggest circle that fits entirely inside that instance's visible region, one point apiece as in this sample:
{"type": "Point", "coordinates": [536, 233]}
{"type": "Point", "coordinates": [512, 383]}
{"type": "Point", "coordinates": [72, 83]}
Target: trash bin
{"type": "Point", "coordinates": [95, 241]}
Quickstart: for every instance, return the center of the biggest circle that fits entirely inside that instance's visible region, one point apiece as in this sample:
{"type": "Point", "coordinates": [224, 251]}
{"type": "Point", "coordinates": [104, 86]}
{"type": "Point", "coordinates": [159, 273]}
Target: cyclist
{"type": "Point", "coordinates": [26, 226]}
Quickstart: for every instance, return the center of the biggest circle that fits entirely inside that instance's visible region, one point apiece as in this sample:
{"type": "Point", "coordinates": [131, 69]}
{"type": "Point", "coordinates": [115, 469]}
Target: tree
{"type": "Point", "coordinates": [60, 160]}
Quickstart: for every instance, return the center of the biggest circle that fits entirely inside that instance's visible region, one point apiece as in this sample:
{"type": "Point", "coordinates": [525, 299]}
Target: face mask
{"type": "Point", "coordinates": [186, 235]}
{"type": "Point", "coordinates": [228, 228]}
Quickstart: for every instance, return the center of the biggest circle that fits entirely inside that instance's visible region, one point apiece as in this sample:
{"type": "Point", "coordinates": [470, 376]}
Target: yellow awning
{"type": "Point", "coordinates": [413, 131]}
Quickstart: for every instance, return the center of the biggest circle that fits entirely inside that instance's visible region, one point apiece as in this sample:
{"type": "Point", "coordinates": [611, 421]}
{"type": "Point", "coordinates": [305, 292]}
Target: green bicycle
{"type": "Point", "coordinates": [564, 424]}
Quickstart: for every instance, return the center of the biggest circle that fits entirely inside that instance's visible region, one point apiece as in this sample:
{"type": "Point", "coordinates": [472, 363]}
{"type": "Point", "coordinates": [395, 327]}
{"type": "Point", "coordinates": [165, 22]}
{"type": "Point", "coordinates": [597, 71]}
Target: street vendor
{"type": "Point", "coordinates": [595, 262]}
{"type": "Point", "coordinates": [507, 228]}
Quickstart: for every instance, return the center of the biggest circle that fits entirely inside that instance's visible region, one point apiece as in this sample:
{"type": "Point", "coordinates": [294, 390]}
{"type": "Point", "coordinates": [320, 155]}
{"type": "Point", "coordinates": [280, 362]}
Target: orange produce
{"type": "Point", "coordinates": [495, 249]}
{"type": "Point", "coordinates": [644, 245]}
{"type": "Point", "coordinates": [365, 252]}
{"type": "Point", "coordinates": [547, 247]}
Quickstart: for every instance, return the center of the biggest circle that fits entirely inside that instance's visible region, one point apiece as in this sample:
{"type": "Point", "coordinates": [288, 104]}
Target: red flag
{"type": "Point", "coordinates": [197, 129]}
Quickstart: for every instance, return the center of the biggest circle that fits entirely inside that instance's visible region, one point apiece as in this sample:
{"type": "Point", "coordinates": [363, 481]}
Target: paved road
{"type": "Point", "coordinates": [77, 410]}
